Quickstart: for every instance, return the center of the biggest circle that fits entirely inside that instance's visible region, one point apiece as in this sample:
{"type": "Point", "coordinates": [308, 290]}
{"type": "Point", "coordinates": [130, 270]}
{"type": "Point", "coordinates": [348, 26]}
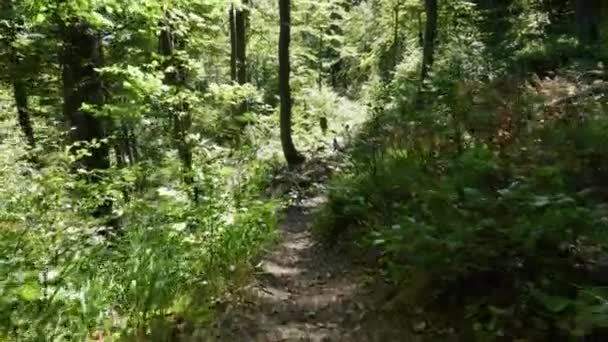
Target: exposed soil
{"type": "Point", "coordinates": [305, 292]}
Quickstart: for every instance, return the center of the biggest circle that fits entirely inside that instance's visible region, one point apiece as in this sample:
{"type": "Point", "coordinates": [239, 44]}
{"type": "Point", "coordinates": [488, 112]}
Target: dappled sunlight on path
{"type": "Point", "coordinates": [304, 292]}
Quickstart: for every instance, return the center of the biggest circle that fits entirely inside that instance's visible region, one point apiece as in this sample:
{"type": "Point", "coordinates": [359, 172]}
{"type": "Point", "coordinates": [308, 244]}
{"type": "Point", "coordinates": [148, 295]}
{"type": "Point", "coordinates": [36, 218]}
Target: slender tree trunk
{"type": "Point", "coordinates": [128, 143]}
{"type": "Point", "coordinates": [180, 117]}
{"type": "Point", "coordinates": [335, 29]}
{"type": "Point", "coordinates": [240, 18]}
{"type": "Point", "coordinates": [291, 154]}
{"type": "Point", "coordinates": [120, 156]}
{"type": "Point", "coordinates": [320, 62]}
{"type": "Point", "coordinates": [23, 114]}
{"type": "Point", "coordinates": [7, 12]}
{"type": "Point", "coordinates": [430, 34]}
{"type": "Point", "coordinates": [121, 146]}
{"type": "Point", "coordinates": [238, 55]}
{"type": "Point", "coordinates": [233, 68]}
{"type": "Point", "coordinates": [587, 20]}
{"type": "Point", "coordinates": [396, 37]}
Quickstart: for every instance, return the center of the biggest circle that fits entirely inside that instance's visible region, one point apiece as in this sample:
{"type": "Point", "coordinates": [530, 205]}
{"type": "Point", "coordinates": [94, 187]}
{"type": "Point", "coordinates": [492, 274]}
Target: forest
{"type": "Point", "coordinates": [300, 170]}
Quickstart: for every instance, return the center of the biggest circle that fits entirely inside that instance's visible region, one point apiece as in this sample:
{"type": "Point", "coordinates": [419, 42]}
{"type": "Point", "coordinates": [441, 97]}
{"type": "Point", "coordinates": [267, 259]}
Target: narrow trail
{"type": "Point", "coordinates": [305, 292]}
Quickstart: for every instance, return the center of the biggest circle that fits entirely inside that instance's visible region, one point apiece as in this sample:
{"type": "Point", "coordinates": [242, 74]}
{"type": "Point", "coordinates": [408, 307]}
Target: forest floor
{"type": "Point", "coordinates": [304, 291]}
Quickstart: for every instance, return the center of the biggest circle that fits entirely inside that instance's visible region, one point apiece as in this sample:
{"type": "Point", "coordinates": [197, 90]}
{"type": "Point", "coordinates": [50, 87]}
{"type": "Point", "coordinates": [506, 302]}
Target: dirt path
{"type": "Point", "coordinates": [304, 292]}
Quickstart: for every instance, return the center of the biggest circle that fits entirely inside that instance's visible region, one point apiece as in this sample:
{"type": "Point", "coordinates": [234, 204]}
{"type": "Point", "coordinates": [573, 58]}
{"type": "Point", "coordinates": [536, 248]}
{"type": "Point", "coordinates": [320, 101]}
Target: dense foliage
{"type": "Point", "coordinates": [140, 138]}
{"type": "Point", "coordinates": [480, 191]}
{"type": "Point", "coordinates": [134, 191]}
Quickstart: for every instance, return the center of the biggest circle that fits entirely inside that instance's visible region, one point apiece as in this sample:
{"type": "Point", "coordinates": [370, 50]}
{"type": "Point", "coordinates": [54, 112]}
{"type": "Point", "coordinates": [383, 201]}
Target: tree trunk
{"type": "Point", "coordinates": [240, 18]}
{"type": "Point", "coordinates": [430, 33]}
{"type": "Point", "coordinates": [180, 117]}
{"type": "Point", "coordinates": [23, 114]}
{"type": "Point", "coordinates": [396, 37]}
{"type": "Point", "coordinates": [81, 84]}
{"type": "Point", "coordinates": [559, 16]}
{"type": "Point", "coordinates": [587, 20]}
{"type": "Point", "coordinates": [238, 55]}
{"type": "Point", "coordinates": [496, 21]}
{"type": "Point", "coordinates": [122, 146]}
{"type": "Point", "coordinates": [320, 62]}
{"type": "Point", "coordinates": [82, 54]}
{"type": "Point", "coordinates": [291, 154]}
{"type": "Point", "coordinates": [130, 144]}
{"type": "Point", "coordinates": [335, 29]}
{"type": "Point", "coordinates": [7, 12]}
{"type": "Point", "coordinates": [231, 22]}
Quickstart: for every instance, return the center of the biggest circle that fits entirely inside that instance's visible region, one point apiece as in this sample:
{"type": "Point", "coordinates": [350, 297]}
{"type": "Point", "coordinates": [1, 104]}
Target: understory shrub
{"type": "Point", "coordinates": [67, 276]}
{"type": "Point", "coordinates": [509, 240]}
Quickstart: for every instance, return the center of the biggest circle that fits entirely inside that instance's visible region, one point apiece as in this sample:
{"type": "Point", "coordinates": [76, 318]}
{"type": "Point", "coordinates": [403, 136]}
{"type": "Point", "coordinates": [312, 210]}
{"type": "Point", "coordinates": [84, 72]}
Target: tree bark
{"type": "Point", "coordinates": [15, 68]}
{"type": "Point", "coordinates": [428, 47]}
{"type": "Point", "coordinates": [335, 28]}
{"type": "Point", "coordinates": [23, 114]}
{"type": "Point", "coordinates": [233, 68]}
{"type": "Point", "coordinates": [238, 55]}
{"type": "Point", "coordinates": [292, 156]}
{"type": "Point", "coordinates": [129, 143]}
{"type": "Point", "coordinates": [240, 18]}
{"type": "Point", "coordinates": [430, 34]}
{"type": "Point", "coordinates": [82, 54]}
{"type": "Point", "coordinates": [396, 37]}
{"type": "Point", "coordinates": [320, 62]}
{"type": "Point", "coordinates": [587, 20]}
{"type": "Point", "coordinates": [81, 84]}
{"type": "Point", "coordinates": [495, 20]}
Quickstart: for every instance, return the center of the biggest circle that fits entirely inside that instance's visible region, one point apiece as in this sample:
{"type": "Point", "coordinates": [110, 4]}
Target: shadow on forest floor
{"type": "Point", "coordinates": [306, 292]}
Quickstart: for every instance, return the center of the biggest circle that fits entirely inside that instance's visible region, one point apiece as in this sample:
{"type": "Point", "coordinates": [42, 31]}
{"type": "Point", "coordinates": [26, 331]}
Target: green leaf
{"type": "Point", "coordinates": [30, 291]}
{"type": "Point", "coordinates": [99, 19]}
{"type": "Point", "coordinates": [554, 304]}
{"type": "Point", "coordinates": [540, 201]}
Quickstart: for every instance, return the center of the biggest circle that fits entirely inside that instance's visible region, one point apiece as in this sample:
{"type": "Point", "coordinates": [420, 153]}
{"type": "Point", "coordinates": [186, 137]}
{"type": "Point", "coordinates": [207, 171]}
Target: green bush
{"type": "Point", "coordinates": [67, 277]}
{"type": "Point", "coordinates": [504, 237]}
